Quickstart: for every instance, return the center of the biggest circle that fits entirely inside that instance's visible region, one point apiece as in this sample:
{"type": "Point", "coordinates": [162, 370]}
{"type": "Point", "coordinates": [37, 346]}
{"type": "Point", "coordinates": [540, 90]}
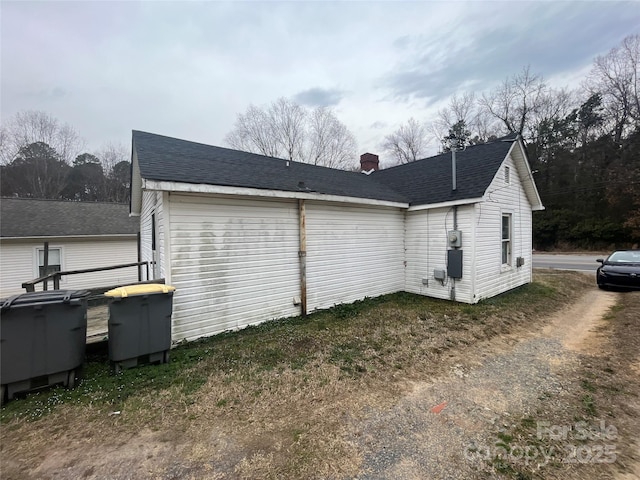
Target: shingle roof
{"type": "Point", "coordinates": [26, 217]}
{"type": "Point", "coordinates": [421, 182]}
{"type": "Point", "coordinates": [428, 181]}
{"type": "Point", "coordinates": [170, 159]}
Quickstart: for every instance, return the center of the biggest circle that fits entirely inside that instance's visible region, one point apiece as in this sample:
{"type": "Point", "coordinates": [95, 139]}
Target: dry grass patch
{"type": "Point", "coordinates": [274, 400]}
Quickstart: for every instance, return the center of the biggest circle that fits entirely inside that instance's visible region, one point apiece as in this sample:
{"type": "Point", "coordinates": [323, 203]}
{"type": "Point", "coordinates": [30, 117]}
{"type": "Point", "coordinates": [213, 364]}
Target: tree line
{"type": "Point", "coordinates": [42, 158]}
{"type": "Point", "coordinates": [583, 145]}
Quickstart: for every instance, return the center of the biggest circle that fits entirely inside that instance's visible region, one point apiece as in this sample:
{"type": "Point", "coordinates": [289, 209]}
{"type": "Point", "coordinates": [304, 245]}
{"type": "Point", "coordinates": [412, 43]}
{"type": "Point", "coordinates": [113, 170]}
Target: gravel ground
{"type": "Point", "coordinates": [484, 394]}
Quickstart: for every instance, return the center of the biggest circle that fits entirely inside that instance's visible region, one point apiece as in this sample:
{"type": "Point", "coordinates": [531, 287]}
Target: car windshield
{"type": "Point", "coordinates": [625, 257]}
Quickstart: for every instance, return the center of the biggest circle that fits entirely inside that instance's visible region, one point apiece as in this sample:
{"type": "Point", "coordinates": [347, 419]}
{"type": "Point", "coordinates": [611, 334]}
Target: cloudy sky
{"type": "Point", "coordinates": [186, 69]}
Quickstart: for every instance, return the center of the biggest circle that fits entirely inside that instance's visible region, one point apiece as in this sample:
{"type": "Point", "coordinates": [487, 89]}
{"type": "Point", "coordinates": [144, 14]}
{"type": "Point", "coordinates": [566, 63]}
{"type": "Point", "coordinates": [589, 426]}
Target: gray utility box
{"type": "Point", "coordinates": [42, 339]}
{"type": "Point", "coordinates": [139, 324]}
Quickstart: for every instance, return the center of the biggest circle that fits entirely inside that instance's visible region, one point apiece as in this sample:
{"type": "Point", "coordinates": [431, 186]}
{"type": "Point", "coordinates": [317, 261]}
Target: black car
{"type": "Point", "coordinates": [621, 269]}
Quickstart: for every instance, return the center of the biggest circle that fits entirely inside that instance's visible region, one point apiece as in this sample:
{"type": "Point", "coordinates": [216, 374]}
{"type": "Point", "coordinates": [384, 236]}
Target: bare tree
{"type": "Point", "coordinates": [615, 77]}
{"type": "Point", "coordinates": [515, 100]}
{"type": "Point", "coordinates": [287, 130]}
{"type": "Point", "coordinates": [330, 142]}
{"type": "Point", "coordinates": [408, 143]}
{"type": "Point", "coordinates": [553, 107]}
{"type": "Point", "coordinates": [483, 126]}
{"type": "Point", "coordinates": [30, 127]}
{"type": "Point", "coordinates": [115, 160]}
{"type": "Point", "coordinates": [460, 108]}
{"type": "Point", "coordinates": [288, 120]}
{"type": "Point", "coordinates": [465, 108]}
{"type": "Point", "coordinates": [275, 131]}
{"type": "Point", "coordinates": [255, 132]}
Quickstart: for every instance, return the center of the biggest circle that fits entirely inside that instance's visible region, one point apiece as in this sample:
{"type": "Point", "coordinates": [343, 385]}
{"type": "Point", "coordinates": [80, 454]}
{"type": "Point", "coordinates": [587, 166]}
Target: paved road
{"type": "Point", "coordinates": [582, 263]}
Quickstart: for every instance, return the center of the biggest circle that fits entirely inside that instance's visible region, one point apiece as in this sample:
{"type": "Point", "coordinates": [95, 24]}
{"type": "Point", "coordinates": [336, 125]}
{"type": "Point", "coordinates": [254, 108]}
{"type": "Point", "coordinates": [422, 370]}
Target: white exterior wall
{"type": "Point", "coordinates": [152, 202]}
{"type": "Point", "coordinates": [234, 259]}
{"type": "Point", "coordinates": [426, 250]}
{"type": "Point", "coordinates": [19, 262]}
{"type": "Point", "coordinates": [16, 266]}
{"type": "Point", "coordinates": [148, 204]}
{"type": "Point", "coordinates": [234, 262]}
{"type": "Point", "coordinates": [491, 277]}
{"type": "Point", "coordinates": [161, 232]}
{"type": "Point", "coordinates": [352, 252]}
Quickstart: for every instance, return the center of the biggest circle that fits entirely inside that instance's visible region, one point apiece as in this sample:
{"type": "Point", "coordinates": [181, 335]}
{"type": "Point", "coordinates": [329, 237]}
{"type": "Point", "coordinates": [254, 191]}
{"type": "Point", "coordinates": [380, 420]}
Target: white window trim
{"type": "Point", "coordinates": [509, 265]}
{"type": "Point", "coordinates": [36, 260]}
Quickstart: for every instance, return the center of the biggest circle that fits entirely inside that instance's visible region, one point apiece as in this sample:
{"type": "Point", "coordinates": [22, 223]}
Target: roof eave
{"type": "Point", "coordinates": [200, 188]}
{"type": "Point", "coordinates": [452, 203]}
{"type": "Point", "coordinates": [135, 189]}
{"type": "Point", "coordinates": [536, 201]}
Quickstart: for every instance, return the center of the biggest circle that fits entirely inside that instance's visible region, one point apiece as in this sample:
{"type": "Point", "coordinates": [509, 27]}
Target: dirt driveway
{"type": "Point", "coordinates": [462, 425]}
{"type": "Point", "coordinates": [558, 397]}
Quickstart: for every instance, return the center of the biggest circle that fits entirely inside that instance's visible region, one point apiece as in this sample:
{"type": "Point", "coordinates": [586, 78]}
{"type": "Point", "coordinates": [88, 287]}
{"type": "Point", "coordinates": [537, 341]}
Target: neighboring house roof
{"type": "Point", "coordinates": [169, 159]}
{"type": "Point", "coordinates": [423, 182]}
{"type": "Point", "coordinates": [26, 217]}
{"type": "Point", "coordinates": [429, 180]}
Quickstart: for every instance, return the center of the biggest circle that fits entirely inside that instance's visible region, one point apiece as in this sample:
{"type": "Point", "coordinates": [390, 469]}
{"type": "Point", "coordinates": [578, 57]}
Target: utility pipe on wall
{"type": "Point", "coordinates": [45, 265]}
{"type": "Point", "coordinates": [455, 227]}
{"type": "Point", "coordinates": [302, 255]}
{"type": "Point", "coordinates": [454, 174]}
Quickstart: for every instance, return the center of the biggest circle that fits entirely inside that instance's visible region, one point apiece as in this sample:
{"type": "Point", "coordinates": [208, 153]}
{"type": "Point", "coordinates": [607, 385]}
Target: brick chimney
{"type": "Point", "coordinates": [369, 162]}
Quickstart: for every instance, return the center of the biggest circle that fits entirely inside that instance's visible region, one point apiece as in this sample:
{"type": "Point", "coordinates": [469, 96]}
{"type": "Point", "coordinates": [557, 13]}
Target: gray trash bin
{"type": "Point", "coordinates": [42, 339]}
{"type": "Point", "coordinates": [139, 324]}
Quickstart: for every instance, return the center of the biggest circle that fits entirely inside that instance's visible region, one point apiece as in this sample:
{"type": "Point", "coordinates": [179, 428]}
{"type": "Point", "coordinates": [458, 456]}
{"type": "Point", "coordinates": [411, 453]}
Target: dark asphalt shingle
{"type": "Point", "coordinates": [428, 181]}
{"type": "Point", "coordinates": [422, 182]}
{"type": "Point", "coordinates": [26, 217]}
{"type": "Point", "coordinates": [171, 159]}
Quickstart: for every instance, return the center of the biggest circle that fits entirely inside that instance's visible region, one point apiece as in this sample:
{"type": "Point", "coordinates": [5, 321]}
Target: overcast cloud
{"type": "Point", "coordinates": [186, 69]}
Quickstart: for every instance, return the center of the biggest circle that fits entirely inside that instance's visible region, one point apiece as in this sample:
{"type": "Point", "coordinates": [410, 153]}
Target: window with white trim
{"type": "Point", "coordinates": [54, 261]}
{"type": "Point", "coordinates": [506, 239]}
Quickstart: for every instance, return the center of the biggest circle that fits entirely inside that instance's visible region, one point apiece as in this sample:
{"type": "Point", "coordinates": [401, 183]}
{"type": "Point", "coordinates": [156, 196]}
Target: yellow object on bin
{"type": "Point", "coordinates": [144, 289]}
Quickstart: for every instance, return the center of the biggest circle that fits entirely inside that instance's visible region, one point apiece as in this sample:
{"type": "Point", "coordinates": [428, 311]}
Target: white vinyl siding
{"type": "Point", "coordinates": [161, 257]}
{"type": "Point", "coordinates": [352, 252]}
{"type": "Point", "coordinates": [234, 262]}
{"type": "Point", "coordinates": [148, 206]}
{"type": "Point", "coordinates": [19, 263]}
{"type": "Point", "coordinates": [152, 209]}
{"type": "Point", "coordinates": [16, 266]}
{"type": "Point", "coordinates": [492, 277]}
{"type": "Point", "coordinates": [234, 259]}
{"type": "Point", "coordinates": [426, 251]}
{"type": "Point", "coordinates": [81, 255]}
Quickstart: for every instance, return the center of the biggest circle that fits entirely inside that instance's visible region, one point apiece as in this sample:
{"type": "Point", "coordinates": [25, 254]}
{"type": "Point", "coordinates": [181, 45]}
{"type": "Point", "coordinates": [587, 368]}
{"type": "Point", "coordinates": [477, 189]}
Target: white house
{"type": "Point", "coordinates": [247, 238]}
{"type": "Point", "coordinates": [80, 235]}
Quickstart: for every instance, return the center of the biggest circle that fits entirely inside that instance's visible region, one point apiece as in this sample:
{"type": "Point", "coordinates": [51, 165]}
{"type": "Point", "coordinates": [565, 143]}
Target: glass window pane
{"type": "Point", "coordinates": [54, 256]}
{"type": "Point", "coordinates": [50, 269]}
{"type": "Point", "coordinates": [505, 227]}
